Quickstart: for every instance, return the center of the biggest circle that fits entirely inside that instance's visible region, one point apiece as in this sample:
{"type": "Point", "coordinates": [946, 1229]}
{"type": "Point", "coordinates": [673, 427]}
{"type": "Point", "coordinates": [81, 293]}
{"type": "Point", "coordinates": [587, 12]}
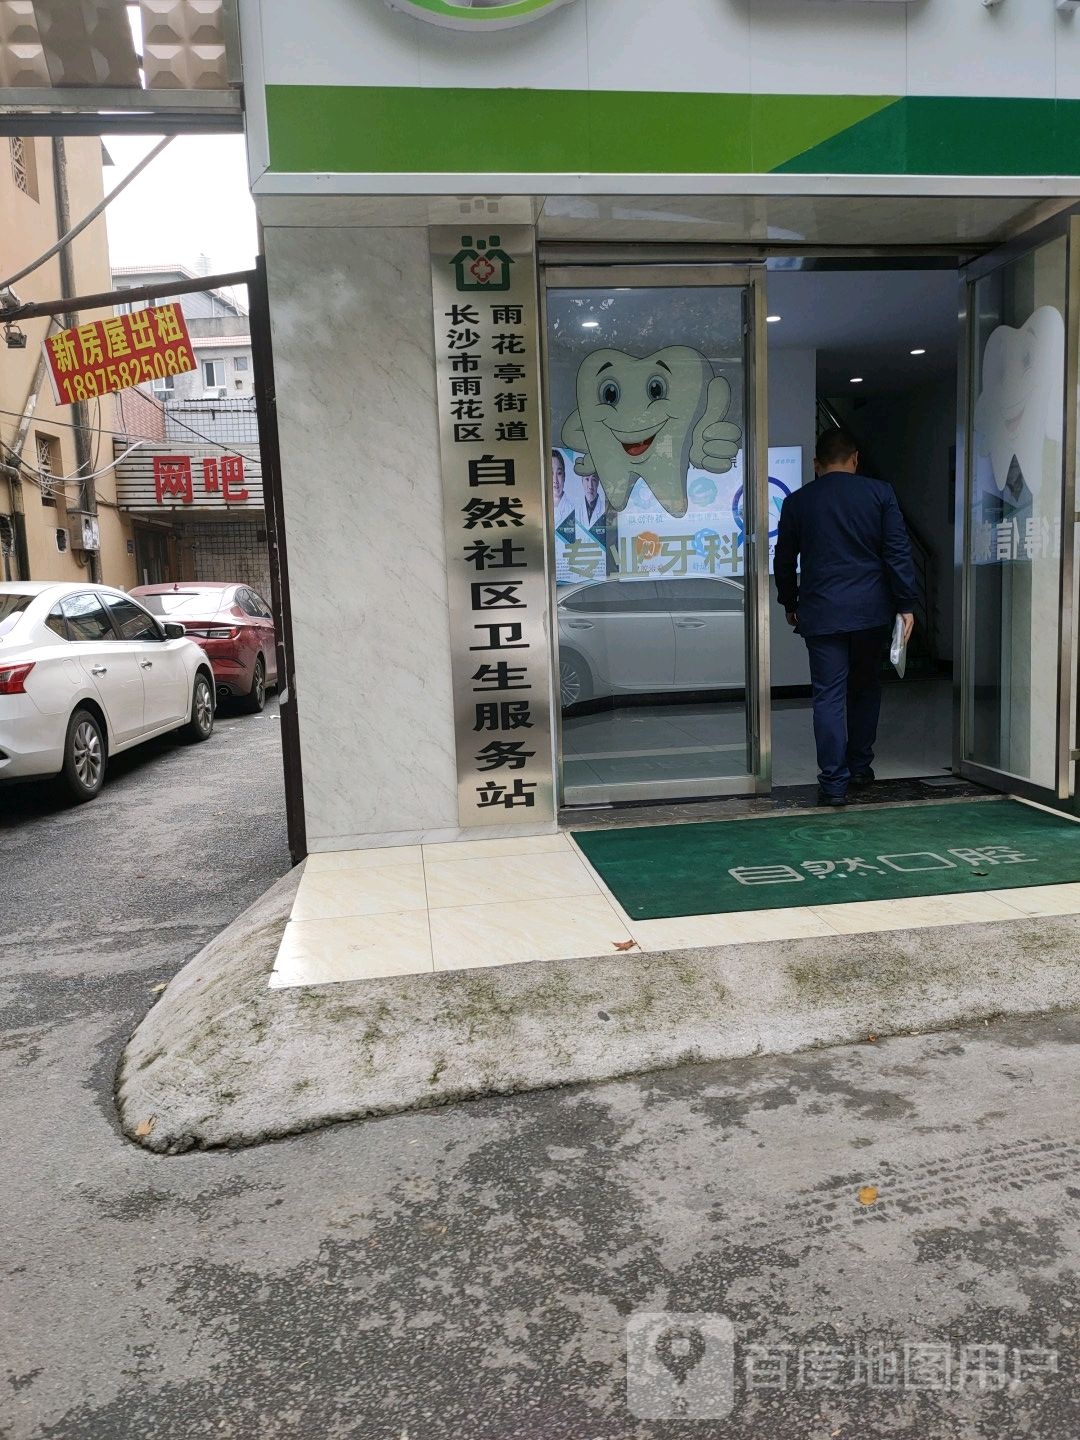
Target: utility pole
{"type": "Point", "coordinates": [80, 413]}
{"type": "Point", "coordinates": [15, 480]}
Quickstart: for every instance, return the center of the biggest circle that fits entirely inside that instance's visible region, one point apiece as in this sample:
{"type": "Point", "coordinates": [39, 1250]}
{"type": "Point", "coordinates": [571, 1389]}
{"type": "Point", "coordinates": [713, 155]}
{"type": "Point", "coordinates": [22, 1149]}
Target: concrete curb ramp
{"type": "Point", "coordinates": [222, 1060]}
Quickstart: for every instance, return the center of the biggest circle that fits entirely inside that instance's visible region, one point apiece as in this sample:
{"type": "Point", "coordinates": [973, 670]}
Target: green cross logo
{"type": "Point", "coordinates": [478, 14]}
{"type": "Point", "coordinates": [481, 265]}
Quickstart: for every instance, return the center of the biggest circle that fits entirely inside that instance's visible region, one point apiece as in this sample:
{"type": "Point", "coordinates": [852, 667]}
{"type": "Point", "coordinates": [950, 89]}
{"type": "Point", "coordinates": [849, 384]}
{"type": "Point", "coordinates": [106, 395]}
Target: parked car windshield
{"type": "Point", "coordinates": [183, 602]}
{"type": "Point", "coordinates": [11, 607]}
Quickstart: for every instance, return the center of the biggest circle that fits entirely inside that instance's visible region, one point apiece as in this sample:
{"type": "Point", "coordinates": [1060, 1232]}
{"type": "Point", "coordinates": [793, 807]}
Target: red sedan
{"type": "Point", "coordinates": [232, 623]}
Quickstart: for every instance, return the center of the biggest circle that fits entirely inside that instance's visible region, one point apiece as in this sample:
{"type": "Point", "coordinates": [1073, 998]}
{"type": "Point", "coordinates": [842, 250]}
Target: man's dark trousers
{"type": "Point", "coordinates": [845, 673]}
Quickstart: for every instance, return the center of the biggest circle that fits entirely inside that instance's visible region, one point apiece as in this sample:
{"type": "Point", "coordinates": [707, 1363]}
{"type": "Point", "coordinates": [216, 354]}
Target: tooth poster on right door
{"type": "Point", "coordinates": [1016, 479]}
{"type": "Point", "coordinates": [1018, 430]}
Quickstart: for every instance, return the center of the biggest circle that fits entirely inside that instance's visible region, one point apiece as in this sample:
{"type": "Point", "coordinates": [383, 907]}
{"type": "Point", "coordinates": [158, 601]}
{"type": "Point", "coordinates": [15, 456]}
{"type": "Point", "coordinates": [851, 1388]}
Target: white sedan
{"type": "Point", "coordinates": [86, 672]}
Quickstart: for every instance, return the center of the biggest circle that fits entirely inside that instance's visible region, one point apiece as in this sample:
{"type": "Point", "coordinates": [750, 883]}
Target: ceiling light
{"type": "Point", "coordinates": [772, 319]}
{"type": "Point", "coordinates": [856, 380]}
{"type": "Point", "coordinates": [590, 324]}
{"type": "Point", "coordinates": [918, 352]}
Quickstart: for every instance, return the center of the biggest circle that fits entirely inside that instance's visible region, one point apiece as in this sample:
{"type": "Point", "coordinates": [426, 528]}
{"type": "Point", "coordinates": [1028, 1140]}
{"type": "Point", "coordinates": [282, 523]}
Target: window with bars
{"type": "Point", "coordinates": [232, 551]}
{"type": "Point", "coordinates": [48, 466]}
{"type": "Point", "coordinates": [24, 165]}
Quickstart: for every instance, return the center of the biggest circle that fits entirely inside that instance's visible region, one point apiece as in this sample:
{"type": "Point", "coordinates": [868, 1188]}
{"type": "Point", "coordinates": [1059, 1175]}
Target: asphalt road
{"type": "Point", "coordinates": [891, 1228]}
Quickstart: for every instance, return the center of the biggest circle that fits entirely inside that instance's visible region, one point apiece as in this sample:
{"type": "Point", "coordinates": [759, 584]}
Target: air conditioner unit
{"type": "Point", "coordinates": [84, 531]}
{"type": "Point", "coordinates": [215, 392]}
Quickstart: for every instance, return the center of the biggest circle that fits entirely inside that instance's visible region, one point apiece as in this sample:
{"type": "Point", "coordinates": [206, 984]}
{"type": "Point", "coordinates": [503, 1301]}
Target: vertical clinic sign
{"type": "Point", "coordinates": [118, 352]}
{"type": "Point", "coordinates": [488, 374]}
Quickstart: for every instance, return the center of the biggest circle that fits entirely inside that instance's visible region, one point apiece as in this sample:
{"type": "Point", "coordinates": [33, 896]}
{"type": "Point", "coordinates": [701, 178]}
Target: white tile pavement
{"type": "Point", "coordinates": [361, 914]}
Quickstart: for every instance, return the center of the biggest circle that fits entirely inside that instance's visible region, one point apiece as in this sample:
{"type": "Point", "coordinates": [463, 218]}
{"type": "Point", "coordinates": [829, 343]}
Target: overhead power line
{"type": "Point", "coordinates": [104, 298]}
{"type": "Point", "coordinates": [50, 478]}
{"type": "Point", "coordinates": [191, 429]}
{"type": "Point", "coordinates": [88, 218]}
{"type": "Point", "coordinates": [45, 481]}
{"type": "Point", "coordinates": [155, 439]}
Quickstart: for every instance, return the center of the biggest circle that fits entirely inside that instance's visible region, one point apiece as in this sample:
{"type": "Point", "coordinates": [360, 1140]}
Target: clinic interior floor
{"type": "Point", "coordinates": [914, 738]}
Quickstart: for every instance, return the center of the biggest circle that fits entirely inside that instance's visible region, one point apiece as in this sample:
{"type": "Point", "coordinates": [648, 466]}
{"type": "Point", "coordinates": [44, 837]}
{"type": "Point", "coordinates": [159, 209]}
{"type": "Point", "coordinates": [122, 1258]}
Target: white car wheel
{"type": "Point", "coordinates": [84, 757]}
{"type": "Point", "coordinates": [575, 681]}
{"type": "Point", "coordinates": [201, 724]}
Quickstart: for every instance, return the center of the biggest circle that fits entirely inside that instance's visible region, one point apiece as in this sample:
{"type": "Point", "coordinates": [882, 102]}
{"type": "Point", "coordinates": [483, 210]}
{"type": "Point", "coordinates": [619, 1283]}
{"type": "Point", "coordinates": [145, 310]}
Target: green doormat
{"type": "Point", "coordinates": [864, 854]}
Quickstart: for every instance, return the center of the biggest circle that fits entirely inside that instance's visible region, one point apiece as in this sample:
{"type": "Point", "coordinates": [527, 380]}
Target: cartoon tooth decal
{"type": "Point", "coordinates": [652, 417]}
{"type": "Point", "coordinates": [1020, 405]}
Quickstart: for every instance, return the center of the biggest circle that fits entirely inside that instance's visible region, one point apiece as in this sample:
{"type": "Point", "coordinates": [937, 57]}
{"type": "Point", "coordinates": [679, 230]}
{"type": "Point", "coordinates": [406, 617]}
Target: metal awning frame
{"type": "Point", "coordinates": [120, 112]}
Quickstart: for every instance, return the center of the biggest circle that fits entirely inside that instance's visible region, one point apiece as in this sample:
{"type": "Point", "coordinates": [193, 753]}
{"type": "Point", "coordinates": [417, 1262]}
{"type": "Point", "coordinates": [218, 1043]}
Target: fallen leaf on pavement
{"type": "Point", "coordinates": [871, 1039]}
{"type": "Point", "coordinates": [157, 989]}
{"type": "Point", "coordinates": [624, 944]}
{"type": "Point", "coordinates": [868, 1194]}
{"type": "Point", "coordinates": [144, 1127]}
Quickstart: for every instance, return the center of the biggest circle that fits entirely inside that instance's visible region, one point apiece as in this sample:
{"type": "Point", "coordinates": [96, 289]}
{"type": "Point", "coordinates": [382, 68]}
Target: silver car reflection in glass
{"type": "Point", "coordinates": [659, 636]}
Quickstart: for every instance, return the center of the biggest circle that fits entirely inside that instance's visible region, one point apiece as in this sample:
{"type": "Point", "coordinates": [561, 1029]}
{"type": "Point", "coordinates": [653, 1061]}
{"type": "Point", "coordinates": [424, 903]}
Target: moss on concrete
{"type": "Point", "coordinates": [221, 1059]}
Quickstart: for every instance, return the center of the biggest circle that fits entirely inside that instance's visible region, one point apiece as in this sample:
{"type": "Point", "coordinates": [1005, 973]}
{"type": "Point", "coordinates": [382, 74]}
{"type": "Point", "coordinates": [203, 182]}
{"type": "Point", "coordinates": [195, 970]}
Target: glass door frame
{"type": "Point", "coordinates": [1066, 753]}
{"type": "Point", "coordinates": [750, 278]}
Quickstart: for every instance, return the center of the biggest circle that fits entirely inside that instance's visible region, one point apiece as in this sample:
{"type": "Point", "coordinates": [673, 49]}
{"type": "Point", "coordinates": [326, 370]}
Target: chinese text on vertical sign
{"type": "Point", "coordinates": [487, 354]}
{"type": "Point", "coordinates": [118, 352]}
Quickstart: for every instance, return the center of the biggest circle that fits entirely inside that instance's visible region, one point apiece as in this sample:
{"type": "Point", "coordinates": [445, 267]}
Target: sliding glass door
{"type": "Point", "coordinates": [1016, 516]}
{"type": "Point", "coordinates": [658, 516]}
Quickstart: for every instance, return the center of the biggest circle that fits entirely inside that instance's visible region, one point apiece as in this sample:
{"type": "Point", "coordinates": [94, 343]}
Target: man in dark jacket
{"type": "Point", "coordinates": [856, 576]}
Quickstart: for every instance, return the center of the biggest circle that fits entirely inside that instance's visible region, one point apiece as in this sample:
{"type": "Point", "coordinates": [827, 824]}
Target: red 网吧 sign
{"type": "Point", "coordinates": [118, 352]}
{"type": "Point", "coordinates": [174, 481]}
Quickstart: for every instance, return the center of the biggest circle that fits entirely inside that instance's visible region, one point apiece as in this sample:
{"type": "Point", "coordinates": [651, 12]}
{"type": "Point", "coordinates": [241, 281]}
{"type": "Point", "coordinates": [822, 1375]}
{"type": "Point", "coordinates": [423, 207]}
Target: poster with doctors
{"type": "Point", "coordinates": [643, 541]}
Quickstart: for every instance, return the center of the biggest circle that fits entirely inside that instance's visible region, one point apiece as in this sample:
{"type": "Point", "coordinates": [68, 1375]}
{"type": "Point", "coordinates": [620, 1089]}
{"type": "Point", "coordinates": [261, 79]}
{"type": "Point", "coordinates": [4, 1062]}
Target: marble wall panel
{"type": "Point", "coordinates": [354, 367]}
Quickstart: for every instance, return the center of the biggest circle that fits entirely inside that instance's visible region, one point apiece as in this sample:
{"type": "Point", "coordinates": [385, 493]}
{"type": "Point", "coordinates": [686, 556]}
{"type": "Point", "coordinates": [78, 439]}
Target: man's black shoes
{"type": "Point", "coordinates": [862, 781]}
